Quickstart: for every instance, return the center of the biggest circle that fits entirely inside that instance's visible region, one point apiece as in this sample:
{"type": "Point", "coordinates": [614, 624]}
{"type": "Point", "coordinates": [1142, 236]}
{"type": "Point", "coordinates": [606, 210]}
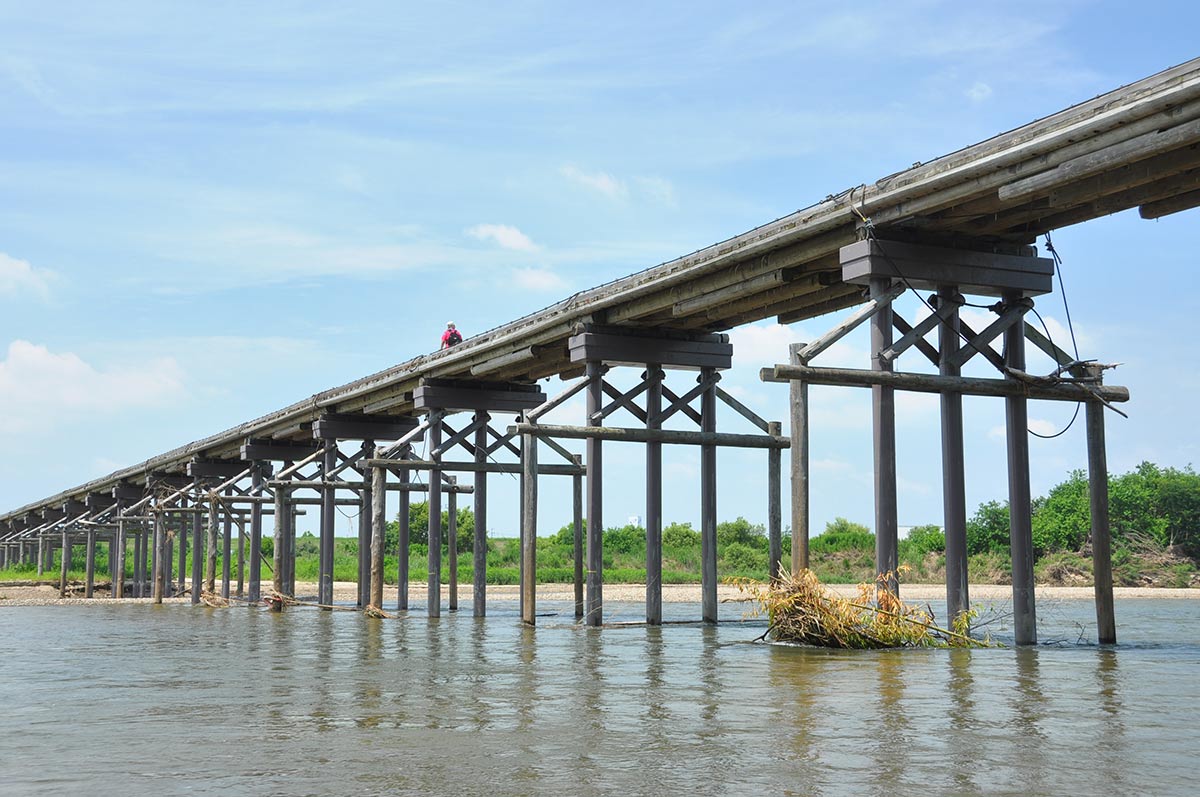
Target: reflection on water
{"type": "Point", "coordinates": [174, 699]}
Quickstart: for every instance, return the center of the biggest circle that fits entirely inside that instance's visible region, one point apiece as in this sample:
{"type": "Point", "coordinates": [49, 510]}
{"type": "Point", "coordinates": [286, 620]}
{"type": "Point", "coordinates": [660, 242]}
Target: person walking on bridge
{"type": "Point", "coordinates": [451, 337]}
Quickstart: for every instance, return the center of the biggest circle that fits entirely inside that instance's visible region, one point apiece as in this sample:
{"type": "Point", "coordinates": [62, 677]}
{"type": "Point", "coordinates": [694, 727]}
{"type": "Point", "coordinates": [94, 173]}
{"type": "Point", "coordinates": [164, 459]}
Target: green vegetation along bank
{"type": "Point", "coordinates": [1155, 514]}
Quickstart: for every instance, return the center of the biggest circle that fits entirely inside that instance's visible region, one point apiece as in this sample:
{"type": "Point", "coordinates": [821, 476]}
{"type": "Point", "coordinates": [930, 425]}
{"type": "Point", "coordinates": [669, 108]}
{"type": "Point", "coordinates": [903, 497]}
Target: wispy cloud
{"type": "Point", "coordinates": [658, 189]}
{"type": "Point", "coordinates": [19, 277]}
{"type": "Point", "coordinates": [504, 235]}
{"type": "Point", "coordinates": [979, 92]}
{"type": "Point", "coordinates": [538, 279]}
{"type": "Point", "coordinates": [40, 389]}
{"type": "Point", "coordinates": [601, 182]}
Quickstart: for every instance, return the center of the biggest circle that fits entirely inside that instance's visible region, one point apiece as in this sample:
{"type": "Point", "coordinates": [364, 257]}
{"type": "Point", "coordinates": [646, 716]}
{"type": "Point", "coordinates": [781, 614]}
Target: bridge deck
{"type": "Point", "coordinates": [1137, 146]}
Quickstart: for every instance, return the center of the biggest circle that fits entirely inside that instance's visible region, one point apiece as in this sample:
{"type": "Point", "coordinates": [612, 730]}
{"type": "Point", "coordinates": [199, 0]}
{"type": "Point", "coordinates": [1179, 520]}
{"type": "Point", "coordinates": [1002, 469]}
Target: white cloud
{"type": "Point", "coordinates": [504, 235]}
{"type": "Point", "coordinates": [538, 279]}
{"type": "Point", "coordinates": [979, 92]}
{"type": "Point", "coordinates": [41, 389]}
{"type": "Point", "coordinates": [601, 182]}
{"type": "Point", "coordinates": [18, 276]}
{"type": "Point", "coordinates": [766, 343]}
{"type": "Point", "coordinates": [657, 189]}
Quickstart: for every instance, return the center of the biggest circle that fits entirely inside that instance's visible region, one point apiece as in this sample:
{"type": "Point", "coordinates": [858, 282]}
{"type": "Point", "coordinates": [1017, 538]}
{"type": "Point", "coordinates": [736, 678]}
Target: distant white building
{"type": "Point", "coordinates": [635, 520]}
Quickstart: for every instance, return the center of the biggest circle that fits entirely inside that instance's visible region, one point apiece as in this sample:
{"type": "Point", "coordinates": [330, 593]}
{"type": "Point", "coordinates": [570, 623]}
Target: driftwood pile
{"type": "Point", "coordinates": [801, 610]}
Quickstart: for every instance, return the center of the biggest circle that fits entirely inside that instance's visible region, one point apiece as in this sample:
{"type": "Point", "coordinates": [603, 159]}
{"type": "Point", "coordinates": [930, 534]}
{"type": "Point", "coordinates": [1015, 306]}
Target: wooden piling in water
{"type": "Point", "coordinates": [279, 549]}
{"type": "Point", "coordinates": [595, 499]}
{"type": "Point", "coordinates": [117, 554]}
{"type": "Point", "coordinates": [1020, 517]}
{"type": "Point", "coordinates": [954, 495]}
{"type": "Point", "coordinates": [158, 558]}
{"type": "Point", "coordinates": [654, 551]}
{"type": "Point", "coordinates": [798, 406]}
{"type": "Point", "coordinates": [254, 588]}
{"type": "Point", "coordinates": [65, 562]}
{"type": "Point", "coordinates": [226, 554]}
{"type": "Point", "coordinates": [774, 503]}
{"type": "Point", "coordinates": [529, 508]}
{"type": "Point", "coordinates": [328, 520]}
{"type": "Point", "coordinates": [365, 510]}
{"type": "Point", "coordinates": [89, 578]}
{"type": "Point", "coordinates": [404, 533]}
{"type": "Point", "coordinates": [378, 531]}
{"type": "Point", "coordinates": [452, 544]}
{"type": "Point", "coordinates": [1106, 622]}
{"type": "Point", "coordinates": [210, 546]}
{"type": "Point", "coordinates": [577, 537]}
{"type": "Point", "coordinates": [434, 582]}
{"type": "Point", "coordinates": [883, 416]}
{"type": "Point", "coordinates": [708, 499]}
{"type": "Point", "coordinates": [479, 547]}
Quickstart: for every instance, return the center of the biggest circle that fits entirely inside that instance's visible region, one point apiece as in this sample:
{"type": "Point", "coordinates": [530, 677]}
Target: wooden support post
{"type": "Point", "coordinates": [883, 416]}
{"type": "Point", "coordinates": [595, 499]}
{"type": "Point", "coordinates": [195, 549]}
{"type": "Point", "coordinates": [328, 520]}
{"type": "Point", "coordinates": [954, 491]}
{"type": "Point", "coordinates": [1019, 509]}
{"type": "Point", "coordinates": [529, 508]}
{"type": "Point", "coordinates": [479, 548]}
{"type": "Point", "coordinates": [210, 567]}
{"type": "Point", "coordinates": [41, 556]}
{"type": "Point", "coordinates": [1106, 622]}
{"type": "Point", "coordinates": [254, 589]}
{"type": "Point", "coordinates": [577, 537]}
{"type": "Point", "coordinates": [176, 529]}
{"type": "Point", "coordinates": [139, 563]}
{"type": "Point", "coordinates": [798, 394]}
{"type": "Point", "coordinates": [158, 558]}
{"type": "Point", "coordinates": [241, 555]}
{"type": "Point", "coordinates": [654, 551]}
{"type": "Point", "coordinates": [434, 595]}
{"type": "Point", "coordinates": [89, 579]}
{"type": "Point", "coordinates": [708, 500]}
{"type": "Point", "coordinates": [402, 519]}
{"type": "Point", "coordinates": [774, 504]}
{"type": "Point", "coordinates": [117, 549]}
{"type": "Point", "coordinates": [452, 543]}
{"type": "Point", "coordinates": [364, 531]}
{"type": "Point", "coordinates": [64, 562]}
{"type": "Point", "coordinates": [226, 554]}
{"type": "Point", "coordinates": [378, 531]}
{"type": "Point", "coordinates": [289, 540]}
{"type": "Point", "coordinates": [279, 549]}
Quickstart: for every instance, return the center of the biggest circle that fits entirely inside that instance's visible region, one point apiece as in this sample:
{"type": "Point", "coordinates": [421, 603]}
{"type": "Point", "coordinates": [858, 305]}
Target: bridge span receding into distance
{"type": "Point", "coordinates": [963, 223]}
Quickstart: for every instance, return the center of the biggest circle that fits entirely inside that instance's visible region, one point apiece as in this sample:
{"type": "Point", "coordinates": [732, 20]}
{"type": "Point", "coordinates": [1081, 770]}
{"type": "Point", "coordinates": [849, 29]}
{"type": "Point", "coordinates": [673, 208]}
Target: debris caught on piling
{"type": "Point", "coordinates": [801, 610]}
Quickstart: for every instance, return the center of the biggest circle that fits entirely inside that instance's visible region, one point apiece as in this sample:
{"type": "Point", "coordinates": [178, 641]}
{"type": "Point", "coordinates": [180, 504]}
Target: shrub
{"type": "Point", "coordinates": [741, 558]}
{"type": "Point", "coordinates": [1063, 519]}
{"type": "Point", "coordinates": [566, 535]}
{"type": "Point", "coordinates": [842, 535]}
{"type": "Point", "coordinates": [680, 535]}
{"type": "Point", "coordinates": [926, 539]}
{"type": "Point", "coordinates": [625, 540]}
{"type": "Point", "coordinates": [741, 531]}
{"type": "Point", "coordinates": [987, 531]}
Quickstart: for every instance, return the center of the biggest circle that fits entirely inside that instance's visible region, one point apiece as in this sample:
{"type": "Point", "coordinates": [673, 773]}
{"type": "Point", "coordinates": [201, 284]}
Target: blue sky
{"type": "Point", "coordinates": [209, 211]}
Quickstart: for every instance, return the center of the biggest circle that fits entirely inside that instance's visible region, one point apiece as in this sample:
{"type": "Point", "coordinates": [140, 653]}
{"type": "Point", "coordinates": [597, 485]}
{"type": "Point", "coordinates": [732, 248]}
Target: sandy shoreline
{"type": "Point", "coordinates": [345, 592]}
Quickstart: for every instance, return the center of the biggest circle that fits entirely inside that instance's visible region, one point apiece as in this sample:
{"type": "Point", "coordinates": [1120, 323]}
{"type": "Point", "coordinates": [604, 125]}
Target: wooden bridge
{"type": "Point", "coordinates": [964, 223]}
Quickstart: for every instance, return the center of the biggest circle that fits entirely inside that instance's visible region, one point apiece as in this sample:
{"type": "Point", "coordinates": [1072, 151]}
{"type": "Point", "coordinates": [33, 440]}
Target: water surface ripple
{"type": "Point", "coordinates": [174, 700]}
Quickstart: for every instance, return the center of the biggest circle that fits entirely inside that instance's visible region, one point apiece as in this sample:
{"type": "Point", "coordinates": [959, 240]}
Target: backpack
{"type": "Point", "coordinates": [453, 339]}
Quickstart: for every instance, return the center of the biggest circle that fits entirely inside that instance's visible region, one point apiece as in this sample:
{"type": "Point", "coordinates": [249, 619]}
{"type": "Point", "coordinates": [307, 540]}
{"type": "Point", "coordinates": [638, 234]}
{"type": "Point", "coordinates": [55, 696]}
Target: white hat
{"type": "Point", "coordinates": [450, 324]}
